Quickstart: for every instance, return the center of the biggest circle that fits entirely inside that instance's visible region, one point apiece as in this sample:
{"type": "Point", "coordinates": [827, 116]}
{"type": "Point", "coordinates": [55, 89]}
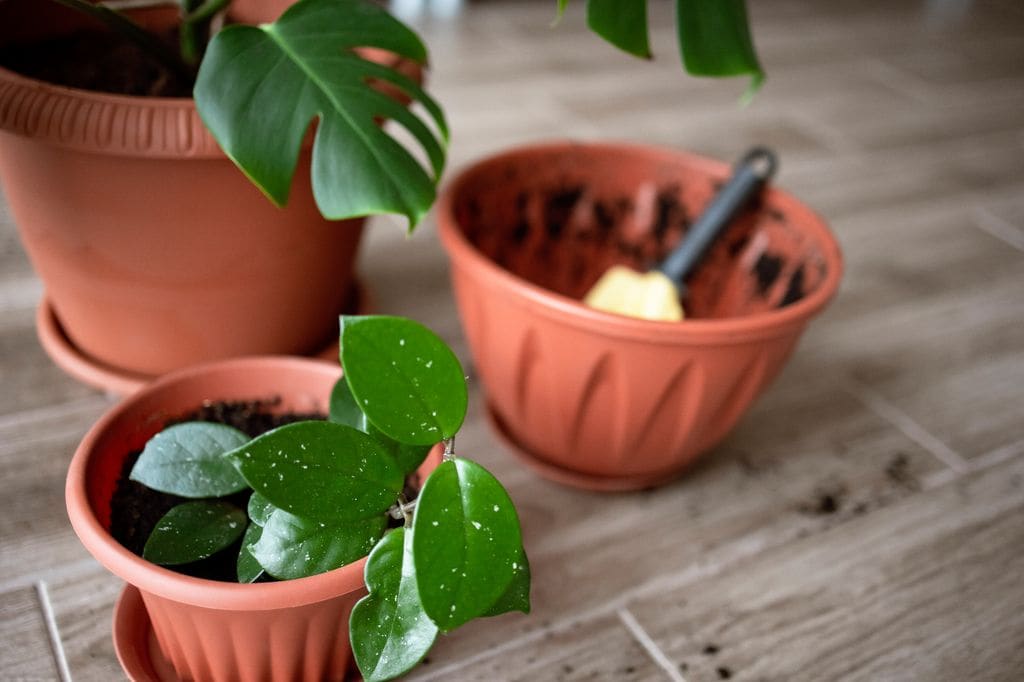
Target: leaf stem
{"type": "Point", "coordinates": [403, 510]}
{"type": "Point", "coordinates": [449, 449]}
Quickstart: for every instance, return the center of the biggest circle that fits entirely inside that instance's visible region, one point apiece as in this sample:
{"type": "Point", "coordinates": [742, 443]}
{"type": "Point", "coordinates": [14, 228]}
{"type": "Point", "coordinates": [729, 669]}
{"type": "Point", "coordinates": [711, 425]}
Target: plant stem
{"type": "Point", "coordinates": [449, 450]}
{"type": "Point", "coordinates": [195, 27]}
{"type": "Point", "coordinates": [402, 510]}
{"type": "Point", "coordinates": [124, 26]}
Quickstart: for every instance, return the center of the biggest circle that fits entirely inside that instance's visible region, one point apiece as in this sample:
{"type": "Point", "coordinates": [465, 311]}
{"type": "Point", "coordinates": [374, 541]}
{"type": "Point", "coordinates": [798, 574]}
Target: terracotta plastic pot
{"type": "Point", "coordinates": [208, 630]}
{"type": "Point", "coordinates": [155, 251]}
{"type": "Point", "coordinates": [604, 401]}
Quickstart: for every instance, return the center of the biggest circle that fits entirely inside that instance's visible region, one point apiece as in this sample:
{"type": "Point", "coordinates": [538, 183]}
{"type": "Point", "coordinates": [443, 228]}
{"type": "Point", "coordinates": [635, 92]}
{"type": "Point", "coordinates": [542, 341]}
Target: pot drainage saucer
{"type": "Point", "coordinates": [135, 642]}
{"type": "Point", "coordinates": [570, 477]}
{"type": "Point", "coordinates": [121, 382]}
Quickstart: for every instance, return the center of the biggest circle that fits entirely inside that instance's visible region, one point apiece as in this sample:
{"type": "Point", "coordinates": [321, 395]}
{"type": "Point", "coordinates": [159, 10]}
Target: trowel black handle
{"type": "Point", "coordinates": [749, 176]}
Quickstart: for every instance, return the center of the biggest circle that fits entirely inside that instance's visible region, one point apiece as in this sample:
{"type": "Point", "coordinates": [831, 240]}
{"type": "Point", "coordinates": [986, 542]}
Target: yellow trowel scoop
{"type": "Point", "coordinates": [656, 295]}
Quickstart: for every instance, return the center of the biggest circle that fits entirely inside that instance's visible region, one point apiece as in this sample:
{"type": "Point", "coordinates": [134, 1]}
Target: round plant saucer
{"type": "Point", "coordinates": [122, 382]}
{"type": "Point", "coordinates": [570, 477]}
{"type": "Point", "coordinates": [135, 642]}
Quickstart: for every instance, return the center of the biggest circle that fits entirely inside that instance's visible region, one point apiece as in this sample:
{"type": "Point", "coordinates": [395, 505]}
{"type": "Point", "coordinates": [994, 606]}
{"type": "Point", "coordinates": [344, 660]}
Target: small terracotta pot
{"type": "Point", "coordinates": [604, 401]}
{"type": "Point", "coordinates": [209, 630]}
{"type": "Point", "coordinates": [156, 252]}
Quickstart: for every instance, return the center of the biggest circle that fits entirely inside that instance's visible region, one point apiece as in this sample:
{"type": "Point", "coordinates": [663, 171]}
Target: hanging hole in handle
{"type": "Point", "coordinates": [762, 160]}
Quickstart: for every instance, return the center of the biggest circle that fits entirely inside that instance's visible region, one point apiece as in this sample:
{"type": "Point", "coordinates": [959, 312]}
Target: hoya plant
{"type": "Point", "coordinates": [322, 493]}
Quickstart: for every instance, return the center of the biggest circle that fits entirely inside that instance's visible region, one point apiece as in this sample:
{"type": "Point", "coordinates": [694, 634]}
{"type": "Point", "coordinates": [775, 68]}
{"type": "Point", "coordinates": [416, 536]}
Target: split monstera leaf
{"type": "Point", "coordinates": [322, 492]}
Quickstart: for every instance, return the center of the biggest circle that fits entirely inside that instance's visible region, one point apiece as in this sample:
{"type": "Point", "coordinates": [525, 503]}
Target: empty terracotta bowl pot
{"type": "Point", "coordinates": [604, 401]}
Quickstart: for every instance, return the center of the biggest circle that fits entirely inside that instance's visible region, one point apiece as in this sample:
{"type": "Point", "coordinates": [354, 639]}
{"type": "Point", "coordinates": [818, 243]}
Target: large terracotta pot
{"type": "Point", "coordinates": [155, 251]}
{"type": "Point", "coordinates": [208, 630]}
{"type": "Point", "coordinates": [601, 400]}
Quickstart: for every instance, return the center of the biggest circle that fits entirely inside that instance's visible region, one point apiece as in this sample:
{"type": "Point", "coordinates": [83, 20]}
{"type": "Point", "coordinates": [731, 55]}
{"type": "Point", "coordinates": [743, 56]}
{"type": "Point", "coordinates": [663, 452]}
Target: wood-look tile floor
{"type": "Point", "coordinates": [866, 519]}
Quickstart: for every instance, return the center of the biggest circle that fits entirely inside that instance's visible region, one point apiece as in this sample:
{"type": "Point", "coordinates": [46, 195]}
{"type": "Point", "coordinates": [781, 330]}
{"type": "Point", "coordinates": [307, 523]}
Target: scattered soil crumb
{"type": "Point", "coordinates": [827, 500]}
{"type": "Point", "coordinates": [724, 673]}
{"type": "Point", "coordinates": [898, 471]}
{"type": "Point", "coordinates": [711, 650]}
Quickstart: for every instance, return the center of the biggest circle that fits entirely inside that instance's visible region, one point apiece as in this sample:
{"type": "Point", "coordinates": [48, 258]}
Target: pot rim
{"type": "Point", "coordinates": [572, 312]}
{"type": "Point", "coordinates": [164, 582]}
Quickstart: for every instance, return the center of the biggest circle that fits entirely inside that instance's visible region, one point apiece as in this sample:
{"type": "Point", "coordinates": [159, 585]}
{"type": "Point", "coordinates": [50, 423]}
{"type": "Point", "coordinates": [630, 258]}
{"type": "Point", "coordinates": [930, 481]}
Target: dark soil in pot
{"type": "Point", "coordinates": [136, 509]}
{"type": "Point", "coordinates": [98, 61]}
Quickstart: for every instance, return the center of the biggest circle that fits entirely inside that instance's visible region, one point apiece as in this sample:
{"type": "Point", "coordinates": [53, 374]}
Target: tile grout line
{"type": "Point", "coordinates": [649, 645]}
{"type": "Point", "coordinates": [993, 225]}
{"type": "Point", "coordinates": [51, 627]}
{"type": "Point", "coordinates": [910, 428]}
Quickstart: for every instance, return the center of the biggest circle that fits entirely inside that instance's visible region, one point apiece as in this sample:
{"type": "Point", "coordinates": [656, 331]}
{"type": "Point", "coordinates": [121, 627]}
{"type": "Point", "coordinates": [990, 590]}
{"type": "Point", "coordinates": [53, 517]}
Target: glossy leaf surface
{"type": "Point", "coordinates": [247, 569]}
{"type": "Point", "coordinates": [260, 509]}
{"type": "Point", "coordinates": [390, 633]}
{"type": "Point", "coordinates": [292, 547]}
{"type": "Point", "coordinates": [188, 460]}
{"type": "Point", "coordinates": [714, 35]}
{"type": "Point", "coordinates": [406, 380]}
{"type": "Point", "coordinates": [194, 530]}
{"type": "Point", "coordinates": [321, 470]}
{"type": "Point", "coordinates": [517, 596]}
{"type": "Point", "coordinates": [344, 410]}
{"type": "Point", "coordinates": [715, 40]}
{"type": "Point", "coordinates": [623, 23]}
{"type": "Point", "coordinates": [259, 88]}
{"type": "Point", "coordinates": [466, 544]}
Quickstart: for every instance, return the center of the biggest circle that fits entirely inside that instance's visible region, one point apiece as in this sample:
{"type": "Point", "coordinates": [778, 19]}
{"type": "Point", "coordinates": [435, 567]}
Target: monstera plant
{"type": "Point", "coordinates": [259, 87]}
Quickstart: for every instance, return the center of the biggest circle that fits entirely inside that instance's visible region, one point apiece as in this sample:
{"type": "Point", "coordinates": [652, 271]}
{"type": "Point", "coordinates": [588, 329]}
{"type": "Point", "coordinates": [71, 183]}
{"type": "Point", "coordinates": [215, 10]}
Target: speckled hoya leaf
{"type": "Point", "coordinates": [321, 470]}
{"type": "Point", "coordinates": [292, 547]}
{"type": "Point", "coordinates": [405, 379]}
{"type": "Point", "coordinates": [194, 530]}
{"type": "Point", "coordinates": [467, 544]}
{"type": "Point", "coordinates": [517, 595]}
{"type": "Point", "coordinates": [260, 509]}
{"type": "Point", "coordinates": [344, 410]}
{"type": "Point", "coordinates": [247, 569]}
{"type": "Point", "coordinates": [390, 633]}
{"type": "Point", "coordinates": [188, 460]}
{"type": "Point", "coordinates": [260, 87]}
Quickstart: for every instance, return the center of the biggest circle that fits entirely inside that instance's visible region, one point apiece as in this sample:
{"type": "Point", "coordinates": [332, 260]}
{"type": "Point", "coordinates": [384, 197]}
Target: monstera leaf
{"type": "Point", "coordinates": [714, 36]}
{"type": "Point", "coordinates": [260, 88]}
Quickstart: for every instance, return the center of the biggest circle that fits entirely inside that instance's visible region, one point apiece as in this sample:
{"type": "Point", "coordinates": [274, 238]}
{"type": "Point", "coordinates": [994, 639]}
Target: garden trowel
{"type": "Point", "coordinates": [656, 295]}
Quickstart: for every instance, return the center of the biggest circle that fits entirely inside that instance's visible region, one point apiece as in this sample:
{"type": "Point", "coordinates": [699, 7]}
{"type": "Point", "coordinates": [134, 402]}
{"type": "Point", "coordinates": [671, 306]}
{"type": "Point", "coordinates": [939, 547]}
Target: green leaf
{"type": "Point", "coordinates": [344, 410]}
{"type": "Point", "coordinates": [260, 509]}
{"type": "Point", "coordinates": [247, 568]}
{"type": "Point", "coordinates": [714, 38]}
{"type": "Point", "coordinates": [260, 87]}
{"type": "Point", "coordinates": [517, 596]}
{"type": "Point", "coordinates": [188, 460]}
{"type": "Point", "coordinates": [623, 23]}
{"type": "Point", "coordinates": [320, 470]}
{"type": "Point", "coordinates": [292, 547]}
{"type": "Point", "coordinates": [407, 381]}
{"type": "Point", "coordinates": [390, 633]}
{"type": "Point", "coordinates": [194, 530]}
{"type": "Point", "coordinates": [467, 543]}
